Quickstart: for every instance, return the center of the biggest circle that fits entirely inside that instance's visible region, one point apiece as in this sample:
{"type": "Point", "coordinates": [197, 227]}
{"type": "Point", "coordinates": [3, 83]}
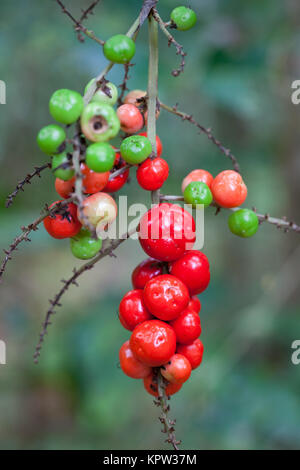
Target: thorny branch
{"type": "Point", "coordinates": [283, 223]}
{"type": "Point", "coordinates": [79, 28]}
{"type": "Point", "coordinates": [123, 85]}
{"type": "Point", "coordinates": [27, 180]}
{"type": "Point", "coordinates": [58, 208]}
{"type": "Point", "coordinates": [162, 402]}
{"type": "Point", "coordinates": [171, 40]}
{"type": "Point", "coordinates": [206, 131]}
{"type": "Point", "coordinates": [107, 250]}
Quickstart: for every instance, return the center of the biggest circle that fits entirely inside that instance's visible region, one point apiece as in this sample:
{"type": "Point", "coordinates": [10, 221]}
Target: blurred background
{"type": "Point", "coordinates": [242, 59]}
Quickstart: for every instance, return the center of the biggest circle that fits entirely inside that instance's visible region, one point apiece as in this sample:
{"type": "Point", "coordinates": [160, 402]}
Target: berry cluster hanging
{"type": "Point", "coordinates": [162, 310]}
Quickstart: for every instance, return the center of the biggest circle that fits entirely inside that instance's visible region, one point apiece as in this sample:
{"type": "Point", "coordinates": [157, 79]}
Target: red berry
{"type": "Point", "coordinates": [145, 271]}
{"type": "Point", "coordinates": [153, 342]}
{"type": "Point", "coordinates": [130, 365]}
{"type": "Point", "coordinates": [159, 147]}
{"type": "Point", "coordinates": [65, 188]}
{"type": "Point", "coordinates": [187, 327]}
{"type": "Point", "coordinates": [132, 310]}
{"type": "Point", "coordinates": [166, 296]}
{"type": "Point", "coordinates": [193, 269]}
{"type": "Point", "coordinates": [117, 182]}
{"type": "Point", "coordinates": [93, 182]}
{"type": "Point", "coordinates": [131, 118]}
{"type": "Point", "coordinates": [193, 352]}
{"type": "Point", "coordinates": [64, 225]}
{"type": "Point", "coordinates": [166, 231]}
{"type": "Point", "coordinates": [152, 174]}
{"type": "Point", "coordinates": [229, 189]}
{"type": "Point", "coordinates": [197, 175]}
{"type": "Point", "coordinates": [177, 370]}
{"type": "Point", "coordinates": [194, 304]}
{"type": "Point", "coordinates": [150, 385]}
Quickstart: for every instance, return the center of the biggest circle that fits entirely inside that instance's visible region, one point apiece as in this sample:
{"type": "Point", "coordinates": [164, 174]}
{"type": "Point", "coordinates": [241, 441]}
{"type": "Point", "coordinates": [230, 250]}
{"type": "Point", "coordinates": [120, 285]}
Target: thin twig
{"type": "Point", "coordinates": [58, 208]}
{"type": "Point", "coordinates": [27, 180]}
{"type": "Point", "coordinates": [119, 171]}
{"type": "Point", "coordinates": [107, 250]}
{"type": "Point", "coordinates": [188, 117]}
{"type": "Point", "coordinates": [171, 40]}
{"type": "Point", "coordinates": [162, 402]}
{"type": "Point", "coordinates": [283, 223]}
{"type": "Point", "coordinates": [88, 11]}
{"type": "Point", "coordinates": [79, 28]}
{"type": "Point", "coordinates": [123, 85]}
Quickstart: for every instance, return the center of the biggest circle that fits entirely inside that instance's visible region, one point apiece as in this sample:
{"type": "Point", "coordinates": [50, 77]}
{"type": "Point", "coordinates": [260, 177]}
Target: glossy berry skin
{"type": "Point", "coordinates": [153, 342]}
{"type": "Point", "coordinates": [177, 370]}
{"type": "Point", "coordinates": [100, 210]}
{"type": "Point", "coordinates": [65, 174]}
{"type": "Point", "coordinates": [132, 309]}
{"type": "Point", "coordinates": [184, 18]}
{"type": "Point", "coordinates": [63, 226]}
{"type": "Point", "coordinates": [166, 231]}
{"type": "Point", "coordinates": [193, 269]}
{"type": "Point", "coordinates": [194, 304]}
{"type": "Point", "coordinates": [66, 106]}
{"type": "Point", "coordinates": [130, 365]}
{"type": "Point", "coordinates": [159, 147]}
{"type": "Point", "coordinates": [229, 189]}
{"type": "Point", "coordinates": [99, 122]}
{"type": "Point", "coordinates": [243, 223]}
{"type": "Point", "coordinates": [100, 157]}
{"type": "Point", "coordinates": [152, 174]}
{"type": "Point", "coordinates": [100, 96]}
{"type": "Point", "coordinates": [150, 385]}
{"type": "Point", "coordinates": [146, 270]}
{"type": "Point", "coordinates": [65, 188]}
{"type": "Point", "coordinates": [193, 352]}
{"type": "Point", "coordinates": [50, 138]}
{"type": "Point", "coordinates": [83, 246]}
{"type": "Point", "coordinates": [119, 49]}
{"type": "Point", "coordinates": [117, 182]}
{"type": "Point", "coordinates": [131, 119]}
{"type": "Point", "coordinates": [187, 326]}
{"type": "Point", "coordinates": [166, 296]}
{"type": "Point", "coordinates": [135, 149]}
{"type": "Point", "coordinates": [196, 193]}
{"type": "Point", "coordinates": [197, 175]}
{"type": "Point", "coordinates": [93, 182]}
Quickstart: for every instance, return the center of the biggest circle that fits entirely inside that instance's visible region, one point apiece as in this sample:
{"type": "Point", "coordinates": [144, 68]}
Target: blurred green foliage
{"type": "Point", "coordinates": [242, 59]}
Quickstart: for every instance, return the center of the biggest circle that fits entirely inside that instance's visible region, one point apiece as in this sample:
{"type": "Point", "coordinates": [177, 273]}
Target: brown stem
{"type": "Point", "coordinates": [162, 402]}
{"type": "Point", "coordinates": [55, 209]}
{"type": "Point", "coordinates": [206, 131]}
{"type": "Point", "coordinates": [27, 180]}
{"type": "Point", "coordinates": [107, 249]}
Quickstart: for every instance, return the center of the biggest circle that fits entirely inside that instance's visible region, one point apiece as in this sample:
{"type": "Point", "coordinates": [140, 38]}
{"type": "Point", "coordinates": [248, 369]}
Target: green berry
{"type": "Point", "coordinates": [50, 138]}
{"type": "Point", "coordinates": [100, 157]}
{"type": "Point", "coordinates": [83, 246]}
{"type": "Point", "coordinates": [184, 18]}
{"type": "Point", "coordinates": [196, 193]}
{"type": "Point", "coordinates": [135, 149]}
{"type": "Point", "coordinates": [66, 106]}
{"type": "Point", "coordinates": [243, 223]}
{"type": "Point", "coordinates": [119, 49]}
{"type": "Point", "coordinates": [100, 96]}
{"type": "Point", "coordinates": [62, 173]}
{"type": "Point", "coordinates": [99, 122]}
